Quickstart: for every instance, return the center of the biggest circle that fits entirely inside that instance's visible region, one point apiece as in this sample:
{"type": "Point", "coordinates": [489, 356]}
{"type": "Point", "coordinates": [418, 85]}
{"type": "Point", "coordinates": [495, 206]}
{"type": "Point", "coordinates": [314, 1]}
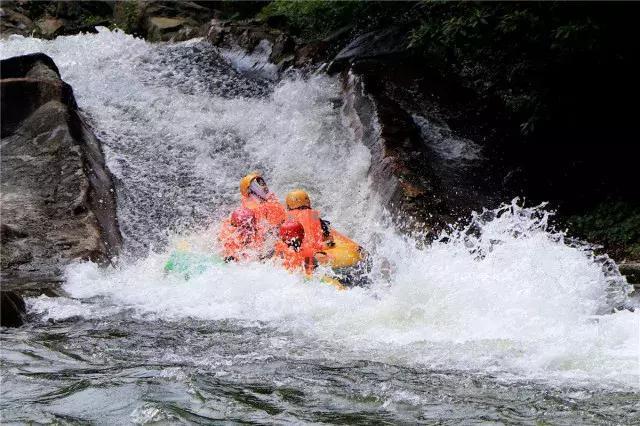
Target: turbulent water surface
{"type": "Point", "coordinates": [502, 321]}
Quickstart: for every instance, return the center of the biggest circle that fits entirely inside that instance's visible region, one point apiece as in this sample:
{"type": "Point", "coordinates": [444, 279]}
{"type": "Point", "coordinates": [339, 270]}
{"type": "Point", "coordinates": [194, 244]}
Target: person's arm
{"type": "Point", "coordinates": [326, 232]}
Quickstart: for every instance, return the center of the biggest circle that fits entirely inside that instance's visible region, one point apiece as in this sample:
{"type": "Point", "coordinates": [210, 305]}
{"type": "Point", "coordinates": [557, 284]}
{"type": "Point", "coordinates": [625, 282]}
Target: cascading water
{"type": "Point", "coordinates": [500, 321]}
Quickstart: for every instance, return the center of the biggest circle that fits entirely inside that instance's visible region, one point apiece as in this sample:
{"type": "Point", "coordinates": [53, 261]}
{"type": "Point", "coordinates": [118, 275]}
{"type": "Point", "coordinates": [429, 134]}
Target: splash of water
{"type": "Point", "coordinates": [180, 127]}
{"type": "Point", "coordinates": [504, 295]}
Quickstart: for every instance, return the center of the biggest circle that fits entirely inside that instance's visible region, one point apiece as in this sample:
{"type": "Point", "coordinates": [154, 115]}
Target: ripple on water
{"type": "Point", "coordinates": [502, 322]}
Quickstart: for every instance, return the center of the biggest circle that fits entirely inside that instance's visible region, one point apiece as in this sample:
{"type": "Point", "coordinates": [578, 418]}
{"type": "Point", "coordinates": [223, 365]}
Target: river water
{"type": "Point", "coordinates": [503, 321]}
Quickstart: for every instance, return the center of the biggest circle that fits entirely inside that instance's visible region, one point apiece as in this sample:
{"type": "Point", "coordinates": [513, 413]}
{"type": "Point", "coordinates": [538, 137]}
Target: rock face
{"type": "Point", "coordinates": [249, 36]}
{"type": "Point", "coordinates": [14, 22]}
{"type": "Point", "coordinates": [285, 49]}
{"type": "Point", "coordinates": [58, 202]}
{"type": "Point", "coordinates": [166, 20]}
{"type": "Point", "coordinates": [372, 45]}
{"type": "Point", "coordinates": [173, 21]}
{"type": "Point", "coordinates": [49, 19]}
{"type": "Point", "coordinates": [398, 159]}
{"type": "Point", "coordinates": [434, 156]}
{"type": "Point", "coordinates": [50, 27]}
{"type": "Point", "coordinates": [12, 309]}
{"type": "Point", "coordinates": [631, 270]}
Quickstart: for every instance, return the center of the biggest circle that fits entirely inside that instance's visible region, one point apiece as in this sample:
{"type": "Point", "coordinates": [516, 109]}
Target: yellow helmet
{"type": "Point", "coordinates": [298, 198]}
{"type": "Point", "coordinates": [246, 181]}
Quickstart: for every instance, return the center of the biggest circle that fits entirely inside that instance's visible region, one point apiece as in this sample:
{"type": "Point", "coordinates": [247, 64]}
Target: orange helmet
{"type": "Point", "coordinates": [243, 217]}
{"type": "Point", "coordinates": [246, 181]}
{"type": "Point", "coordinates": [297, 199]}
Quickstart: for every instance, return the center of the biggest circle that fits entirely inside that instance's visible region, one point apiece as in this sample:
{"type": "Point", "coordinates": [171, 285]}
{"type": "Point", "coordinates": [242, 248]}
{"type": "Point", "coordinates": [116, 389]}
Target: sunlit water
{"type": "Point", "coordinates": [500, 321]}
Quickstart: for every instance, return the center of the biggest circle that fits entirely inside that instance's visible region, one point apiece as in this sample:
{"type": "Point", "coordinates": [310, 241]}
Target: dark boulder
{"type": "Point", "coordinates": [58, 201]}
{"type": "Point", "coordinates": [631, 270]}
{"type": "Point", "coordinates": [20, 66]}
{"type": "Point", "coordinates": [27, 83]}
{"type": "Point", "coordinates": [12, 309]}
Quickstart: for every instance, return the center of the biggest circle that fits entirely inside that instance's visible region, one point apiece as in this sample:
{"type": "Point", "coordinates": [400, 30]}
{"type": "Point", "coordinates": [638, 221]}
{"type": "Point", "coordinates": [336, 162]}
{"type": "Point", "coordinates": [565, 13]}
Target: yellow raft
{"type": "Point", "coordinates": [348, 260]}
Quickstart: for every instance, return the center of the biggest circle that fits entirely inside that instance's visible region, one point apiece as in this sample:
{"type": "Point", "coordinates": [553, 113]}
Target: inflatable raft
{"type": "Point", "coordinates": [348, 263]}
{"type": "Point", "coordinates": [185, 262]}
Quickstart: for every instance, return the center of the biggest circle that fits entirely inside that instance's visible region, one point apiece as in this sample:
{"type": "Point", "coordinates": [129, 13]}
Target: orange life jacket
{"type": "Point", "coordinates": [239, 243]}
{"type": "Point", "coordinates": [313, 235]}
{"type": "Point", "coordinates": [293, 260]}
{"type": "Point", "coordinates": [269, 211]}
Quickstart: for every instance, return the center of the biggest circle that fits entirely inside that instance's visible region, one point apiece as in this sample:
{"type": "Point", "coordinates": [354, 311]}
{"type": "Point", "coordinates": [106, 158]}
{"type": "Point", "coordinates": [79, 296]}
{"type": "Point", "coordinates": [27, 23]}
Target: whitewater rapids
{"type": "Point", "coordinates": [511, 300]}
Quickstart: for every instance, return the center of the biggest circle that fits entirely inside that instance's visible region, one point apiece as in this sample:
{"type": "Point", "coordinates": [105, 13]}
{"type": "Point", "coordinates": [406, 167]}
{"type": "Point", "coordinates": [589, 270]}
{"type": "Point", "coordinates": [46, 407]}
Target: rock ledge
{"type": "Point", "coordinates": [58, 200]}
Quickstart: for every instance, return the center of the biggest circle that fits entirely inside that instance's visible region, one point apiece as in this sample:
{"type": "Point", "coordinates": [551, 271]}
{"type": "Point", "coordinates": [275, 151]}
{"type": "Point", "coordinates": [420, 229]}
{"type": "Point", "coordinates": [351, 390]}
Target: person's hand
{"type": "Point", "coordinates": [321, 257]}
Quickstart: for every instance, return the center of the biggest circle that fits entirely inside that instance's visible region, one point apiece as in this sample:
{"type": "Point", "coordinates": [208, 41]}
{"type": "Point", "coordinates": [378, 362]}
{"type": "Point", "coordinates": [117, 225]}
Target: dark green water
{"type": "Point", "coordinates": [115, 371]}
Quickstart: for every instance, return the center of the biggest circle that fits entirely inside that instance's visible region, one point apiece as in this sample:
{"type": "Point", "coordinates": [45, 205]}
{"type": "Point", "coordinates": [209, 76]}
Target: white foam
{"type": "Point", "coordinates": [179, 151]}
{"type": "Point", "coordinates": [445, 144]}
{"type": "Point", "coordinates": [511, 298]}
{"type": "Point", "coordinates": [256, 62]}
{"type": "Point", "coordinates": [514, 301]}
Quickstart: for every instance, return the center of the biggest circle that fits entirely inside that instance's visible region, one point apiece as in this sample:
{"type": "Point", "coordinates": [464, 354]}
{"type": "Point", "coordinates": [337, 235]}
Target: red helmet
{"type": "Point", "coordinates": [291, 232]}
{"type": "Point", "coordinates": [243, 217]}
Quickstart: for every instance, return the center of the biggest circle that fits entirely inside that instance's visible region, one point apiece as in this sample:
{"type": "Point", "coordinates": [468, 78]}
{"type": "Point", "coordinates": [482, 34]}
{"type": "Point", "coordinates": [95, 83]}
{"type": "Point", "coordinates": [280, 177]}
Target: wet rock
{"type": "Point", "coordinates": [434, 156]}
{"type": "Point", "coordinates": [399, 170]}
{"type": "Point", "coordinates": [282, 49]}
{"type": "Point", "coordinates": [58, 203]}
{"type": "Point", "coordinates": [10, 233]}
{"type": "Point", "coordinates": [392, 41]}
{"type": "Point", "coordinates": [50, 27]}
{"type": "Point", "coordinates": [12, 309]}
{"type": "Point", "coordinates": [245, 35]}
{"type": "Point", "coordinates": [17, 256]}
{"type": "Point", "coordinates": [251, 36]}
{"type": "Point", "coordinates": [286, 50]}
{"type": "Point", "coordinates": [216, 32]}
{"type": "Point", "coordinates": [632, 272]}
{"type": "Point", "coordinates": [173, 21]}
{"type": "Point", "coordinates": [311, 53]}
{"type": "Point", "coordinates": [18, 68]}
{"type": "Point", "coordinates": [163, 29]}
{"type": "Point", "coordinates": [13, 22]}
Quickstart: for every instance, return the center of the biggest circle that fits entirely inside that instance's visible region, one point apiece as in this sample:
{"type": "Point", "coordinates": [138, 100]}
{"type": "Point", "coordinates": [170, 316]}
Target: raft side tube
{"type": "Point", "coordinates": [350, 263]}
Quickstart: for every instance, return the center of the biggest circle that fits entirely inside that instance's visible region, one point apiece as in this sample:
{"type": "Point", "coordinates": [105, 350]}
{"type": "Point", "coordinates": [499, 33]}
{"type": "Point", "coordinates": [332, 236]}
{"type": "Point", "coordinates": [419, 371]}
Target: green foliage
{"type": "Point", "coordinates": [616, 225]}
{"type": "Point", "coordinates": [127, 16]}
{"type": "Point", "coordinates": [523, 53]}
{"type": "Point", "coordinates": [92, 20]}
{"type": "Point", "coordinates": [314, 19]}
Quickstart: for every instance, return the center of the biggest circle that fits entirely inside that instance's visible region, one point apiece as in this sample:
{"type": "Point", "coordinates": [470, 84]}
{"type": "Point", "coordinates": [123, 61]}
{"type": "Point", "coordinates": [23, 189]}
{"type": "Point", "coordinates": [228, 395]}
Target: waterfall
{"type": "Point", "coordinates": [506, 296]}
